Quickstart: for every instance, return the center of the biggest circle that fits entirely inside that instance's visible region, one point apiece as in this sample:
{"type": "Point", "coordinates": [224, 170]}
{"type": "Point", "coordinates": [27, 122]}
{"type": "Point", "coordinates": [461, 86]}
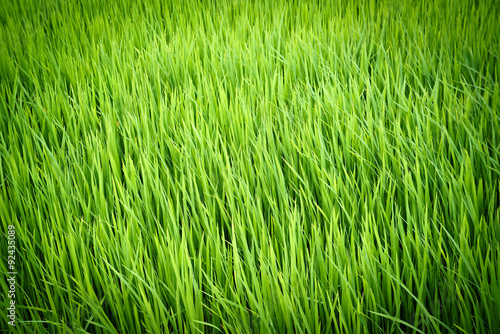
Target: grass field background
{"type": "Point", "coordinates": [241, 167]}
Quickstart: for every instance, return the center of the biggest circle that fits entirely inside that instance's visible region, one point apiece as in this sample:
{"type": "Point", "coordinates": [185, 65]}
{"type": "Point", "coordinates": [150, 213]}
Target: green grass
{"type": "Point", "coordinates": [237, 167]}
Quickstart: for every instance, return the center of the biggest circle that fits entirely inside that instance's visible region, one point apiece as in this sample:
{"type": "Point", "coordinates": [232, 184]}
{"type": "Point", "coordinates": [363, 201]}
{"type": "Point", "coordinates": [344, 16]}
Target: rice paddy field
{"type": "Point", "coordinates": [250, 166]}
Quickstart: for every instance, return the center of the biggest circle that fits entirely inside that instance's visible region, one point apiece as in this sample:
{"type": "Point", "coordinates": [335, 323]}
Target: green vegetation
{"type": "Point", "coordinates": [241, 167]}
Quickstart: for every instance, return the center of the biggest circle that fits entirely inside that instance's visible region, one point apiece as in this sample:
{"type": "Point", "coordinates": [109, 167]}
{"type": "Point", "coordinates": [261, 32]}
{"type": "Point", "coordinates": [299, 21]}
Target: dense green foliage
{"type": "Point", "coordinates": [251, 167]}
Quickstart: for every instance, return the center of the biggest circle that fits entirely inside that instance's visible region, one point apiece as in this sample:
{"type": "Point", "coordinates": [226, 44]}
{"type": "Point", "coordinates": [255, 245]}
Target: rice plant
{"type": "Point", "coordinates": [250, 167]}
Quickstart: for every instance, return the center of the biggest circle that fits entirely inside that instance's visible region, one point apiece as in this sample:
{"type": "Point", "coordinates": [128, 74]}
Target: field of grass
{"type": "Point", "coordinates": [250, 167]}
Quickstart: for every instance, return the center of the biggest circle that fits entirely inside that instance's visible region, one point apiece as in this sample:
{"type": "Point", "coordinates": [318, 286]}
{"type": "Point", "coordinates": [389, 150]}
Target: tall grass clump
{"type": "Point", "coordinates": [251, 167]}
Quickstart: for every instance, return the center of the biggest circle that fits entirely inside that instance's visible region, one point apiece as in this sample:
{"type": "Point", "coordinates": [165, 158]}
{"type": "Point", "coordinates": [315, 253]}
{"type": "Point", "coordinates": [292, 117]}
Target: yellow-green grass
{"type": "Point", "coordinates": [246, 167]}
